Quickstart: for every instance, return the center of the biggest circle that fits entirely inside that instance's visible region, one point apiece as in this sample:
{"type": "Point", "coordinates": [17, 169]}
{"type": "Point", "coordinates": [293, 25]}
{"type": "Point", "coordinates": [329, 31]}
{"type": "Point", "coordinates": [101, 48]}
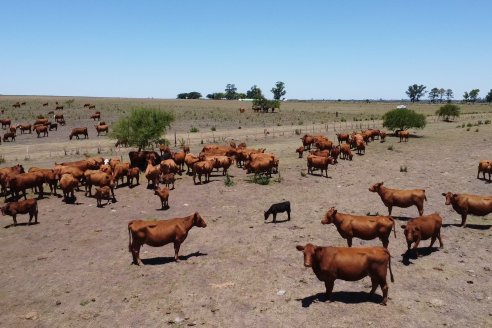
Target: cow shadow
{"type": "Point", "coordinates": [415, 254]}
{"type": "Point", "coordinates": [320, 175]}
{"type": "Point", "coordinates": [401, 218]}
{"type": "Point", "coordinates": [168, 259]}
{"type": "Point", "coordinates": [277, 221]}
{"type": "Point", "coordinates": [163, 208]}
{"type": "Point", "coordinates": [20, 224]}
{"type": "Point", "coordinates": [469, 226]}
{"type": "Point", "coordinates": [344, 297]}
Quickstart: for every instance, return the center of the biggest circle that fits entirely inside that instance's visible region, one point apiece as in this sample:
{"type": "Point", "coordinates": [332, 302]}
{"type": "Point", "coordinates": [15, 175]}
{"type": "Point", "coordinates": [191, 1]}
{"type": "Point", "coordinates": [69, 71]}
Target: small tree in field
{"type": "Point", "coordinates": [447, 111]}
{"type": "Point", "coordinates": [142, 126]}
{"type": "Point", "coordinates": [403, 119]}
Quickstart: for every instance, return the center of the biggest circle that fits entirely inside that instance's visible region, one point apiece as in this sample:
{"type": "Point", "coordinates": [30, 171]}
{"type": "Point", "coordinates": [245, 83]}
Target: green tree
{"type": "Point", "coordinates": [142, 126]}
{"type": "Point", "coordinates": [447, 111]}
{"type": "Point", "coordinates": [402, 119]}
{"type": "Point", "coordinates": [415, 92]}
{"type": "Point", "coordinates": [488, 97]}
{"type": "Point", "coordinates": [279, 90]}
{"type": "Point", "coordinates": [449, 95]}
{"type": "Point", "coordinates": [474, 95]}
{"type": "Point", "coordinates": [433, 94]}
{"type": "Point", "coordinates": [230, 91]}
{"type": "Point", "coordinates": [254, 93]}
{"type": "Point", "coordinates": [69, 102]}
{"type": "Point", "coordinates": [216, 95]}
{"type": "Point", "coordinates": [194, 95]}
{"type": "Point", "coordinates": [182, 96]}
{"type": "Point", "coordinates": [466, 96]}
{"type": "Point", "coordinates": [441, 93]}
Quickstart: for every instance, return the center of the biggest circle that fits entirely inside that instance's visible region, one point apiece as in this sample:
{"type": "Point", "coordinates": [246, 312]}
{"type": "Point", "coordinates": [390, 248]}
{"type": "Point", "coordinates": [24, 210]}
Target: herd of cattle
{"type": "Point", "coordinates": [328, 263]}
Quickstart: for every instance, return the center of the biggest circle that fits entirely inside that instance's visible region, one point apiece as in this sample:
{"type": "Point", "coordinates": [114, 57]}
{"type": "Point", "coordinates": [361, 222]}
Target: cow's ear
{"type": "Point", "coordinates": [382, 183]}
{"type": "Point", "coordinates": [403, 226]}
{"type": "Point", "coordinates": [335, 211]}
{"type": "Point", "coordinates": [417, 229]}
{"type": "Point", "coordinates": [455, 195]}
{"type": "Point", "coordinates": [300, 248]}
{"type": "Point", "coordinates": [444, 194]}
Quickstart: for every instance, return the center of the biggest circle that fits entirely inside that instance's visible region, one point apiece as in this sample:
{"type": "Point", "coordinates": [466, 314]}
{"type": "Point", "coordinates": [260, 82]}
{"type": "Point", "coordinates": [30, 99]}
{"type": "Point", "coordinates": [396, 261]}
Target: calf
{"type": "Point", "coordinates": [300, 150]}
{"type": "Point", "coordinates": [163, 195]}
{"type": "Point", "coordinates": [400, 198]}
{"type": "Point", "coordinates": [102, 193]}
{"type": "Point", "coordinates": [382, 136]}
{"type": "Point", "coordinates": [158, 233]}
{"type": "Point", "coordinates": [465, 204]}
{"type": "Point", "coordinates": [404, 135]}
{"type": "Point", "coordinates": [346, 152]}
{"type": "Point", "coordinates": [133, 173]}
{"type": "Point", "coordinates": [8, 135]}
{"type": "Point", "coordinates": [53, 126]}
{"type": "Point", "coordinates": [350, 264]}
{"type": "Point", "coordinates": [278, 208]}
{"type": "Point", "coordinates": [363, 227]}
{"type": "Point", "coordinates": [22, 207]}
{"type": "Point", "coordinates": [67, 184]}
{"type": "Point", "coordinates": [423, 228]}
{"type": "Point", "coordinates": [484, 166]}
{"type": "Point", "coordinates": [318, 162]}
{"type": "Point", "coordinates": [168, 179]}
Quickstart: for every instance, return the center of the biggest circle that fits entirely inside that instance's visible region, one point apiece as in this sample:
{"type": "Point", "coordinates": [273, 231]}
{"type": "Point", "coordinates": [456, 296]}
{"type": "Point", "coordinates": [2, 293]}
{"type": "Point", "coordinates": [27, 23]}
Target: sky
{"type": "Point", "coordinates": [353, 49]}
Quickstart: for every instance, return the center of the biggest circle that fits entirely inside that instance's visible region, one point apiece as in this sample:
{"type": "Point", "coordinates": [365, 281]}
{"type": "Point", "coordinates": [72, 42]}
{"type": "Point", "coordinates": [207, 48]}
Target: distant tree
{"type": "Point", "coordinates": [447, 111]}
{"type": "Point", "coordinates": [279, 90]}
{"type": "Point", "coordinates": [488, 97]}
{"type": "Point", "coordinates": [69, 102]}
{"type": "Point", "coordinates": [254, 93]}
{"type": "Point", "coordinates": [264, 104]}
{"type": "Point", "coordinates": [441, 93]}
{"type": "Point", "coordinates": [402, 119]}
{"type": "Point", "coordinates": [415, 92]}
{"type": "Point", "coordinates": [433, 94]}
{"type": "Point", "coordinates": [230, 91]}
{"type": "Point", "coordinates": [466, 96]}
{"type": "Point", "coordinates": [142, 126]}
{"type": "Point", "coordinates": [474, 95]}
{"type": "Point", "coordinates": [241, 95]}
{"type": "Point", "coordinates": [182, 96]}
{"type": "Point", "coordinates": [216, 95]}
{"type": "Point", "coordinates": [449, 95]}
{"type": "Point", "coordinates": [194, 95]}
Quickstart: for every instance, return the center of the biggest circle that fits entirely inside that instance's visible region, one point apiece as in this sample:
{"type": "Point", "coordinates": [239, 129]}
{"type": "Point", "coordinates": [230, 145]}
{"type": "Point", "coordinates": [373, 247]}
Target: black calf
{"type": "Point", "coordinates": [278, 208]}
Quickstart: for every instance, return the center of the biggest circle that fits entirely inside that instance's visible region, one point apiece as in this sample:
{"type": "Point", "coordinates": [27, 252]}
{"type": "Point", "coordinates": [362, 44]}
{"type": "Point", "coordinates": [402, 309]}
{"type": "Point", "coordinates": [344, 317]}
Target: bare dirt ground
{"type": "Point", "coordinates": [73, 269]}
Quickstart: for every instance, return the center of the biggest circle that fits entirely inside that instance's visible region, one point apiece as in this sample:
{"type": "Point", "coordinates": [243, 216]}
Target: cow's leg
{"type": "Point", "coordinates": [420, 207]}
{"type": "Point", "coordinates": [433, 240]}
{"type": "Point", "coordinates": [441, 245]}
{"type": "Point", "coordinates": [463, 219]}
{"type": "Point", "coordinates": [349, 241]}
{"type": "Point", "coordinates": [135, 248]}
{"type": "Point", "coordinates": [14, 216]}
{"type": "Point", "coordinates": [409, 243]}
{"type": "Point", "coordinates": [288, 215]}
{"type": "Point", "coordinates": [177, 244]}
{"type": "Point", "coordinates": [384, 287]}
{"type": "Point", "coordinates": [417, 242]}
{"type": "Point", "coordinates": [274, 216]}
{"type": "Point", "coordinates": [385, 242]}
{"type": "Point", "coordinates": [329, 288]}
{"type": "Point", "coordinates": [36, 215]}
{"type": "Point", "coordinates": [375, 284]}
{"type": "Point", "coordinates": [390, 207]}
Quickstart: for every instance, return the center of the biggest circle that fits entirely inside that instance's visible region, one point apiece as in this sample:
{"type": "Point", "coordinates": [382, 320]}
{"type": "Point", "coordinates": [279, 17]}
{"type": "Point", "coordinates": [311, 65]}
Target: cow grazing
{"type": "Point", "coordinates": [58, 107]}
{"type": "Point", "coordinates": [86, 105]}
{"type": "Point", "coordinates": [400, 198]}
{"type": "Point", "coordinates": [485, 166]}
{"type": "Point", "coordinates": [121, 143]}
{"type": "Point", "coordinates": [318, 162]}
{"type": "Point", "coordinates": [260, 166]}
{"type": "Point", "coordinates": [346, 152]}
{"type": "Point", "coordinates": [161, 232]}
{"type": "Point", "coordinates": [278, 208]}
{"type": "Point", "coordinates": [22, 207]}
{"type": "Point", "coordinates": [363, 227]}
{"type": "Point", "coordinates": [102, 193]}
{"type": "Point", "coordinates": [45, 104]}
{"type": "Point", "coordinates": [8, 135]}
{"type": "Point", "coordinates": [465, 204]}
{"type": "Point", "coordinates": [79, 132]}
{"type": "Point", "coordinates": [361, 147]}
{"type": "Point", "coordinates": [92, 106]}
{"type": "Point", "coordinates": [168, 179]}
{"type": "Point", "coordinates": [163, 196]}
{"type": "Point", "coordinates": [16, 105]}
{"type": "Point", "coordinates": [300, 150]}
{"type": "Point", "coordinates": [42, 129]}
{"type": "Point", "coordinates": [96, 117]}
{"type": "Point", "coordinates": [102, 128]}
{"type": "Point", "coordinates": [202, 168]}
{"type": "Point", "coordinates": [68, 183]}
{"type": "Point", "coordinates": [350, 264]}
{"type": "Point", "coordinates": [307, 141]}
{"type": "Point", "coordinates": [382, 136]}
{"type": "Point", "coordinates": [404, 135]}
{"type": "Point", "coordinates": [6, 122]}
{"type": "Point", "coordinates": [423, 228]}
{"type": "Point", "coordinates": [133, 173]}
{"type": "Point", "coordinates": [335, 152]}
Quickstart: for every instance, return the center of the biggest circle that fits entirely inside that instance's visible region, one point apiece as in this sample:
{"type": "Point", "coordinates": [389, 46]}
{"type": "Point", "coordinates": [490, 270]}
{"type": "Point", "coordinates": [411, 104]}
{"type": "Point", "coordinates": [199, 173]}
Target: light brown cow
{"type": "Point", "coordinates": [72, 170]}
{"type": "Point", "coordinates": [404, 135]}
{"type": "Point", "coordinates": [163, 196]}
{"type": "Point", "coordinates": [133, 173]}
{"type": "Point", "coordinates": [41, 121]}
{"type": "Point", "coordinates": [161, 232]}
{"type": "Point", "coordinates": [68, 183]}
{"type": "Point", "coordinates": [202, 168]}
{"type": "Point", "coordinates": [350, 264]}
{"type": "Point", "coordinates": [260, 165]}
{"type": "Point", "coordinates": [120, 171]}
{"type": "Point", "coordinates": [423, 228]}
{"type": "Point", "coordinates": [363, 227]}
{"type": "Point", "coordinates": [100, 179]}
{"type": "Point", "coordinates": [152, 174]}
{"type": "Point", "coordinates": [102, 128]}
{"type": "Point", "coordinates": [85, 164]}
{"type": "Point", "coordinates": [465, 204]}
{"type": "Point", "coordinates": [300, 150]}
{"type": "Point", "coordinates": [102, 193]}
{"type": "Point", "coordinates": [190, 159]}
{"type": "Point", "coordinates": [361, 147]}
{"type": "Point", "coordinates": [169, 166]}
{"type": "Point", "coordinates": [21, 207]}
{"type": "Point", "coordinates": [179, 159]}
{"type": "Point", "coordinates": [485, 166]}
{"type": "Point", "coordinates": [223, 162]}
{"type": "Point", "coordinates": [346, 152]}
{"type": "Point", "coordinates": [400, 198]}
{"type": "Point", "coordinates": [320, 163]}
{"type": "Point", "coordinates": [307, 141]}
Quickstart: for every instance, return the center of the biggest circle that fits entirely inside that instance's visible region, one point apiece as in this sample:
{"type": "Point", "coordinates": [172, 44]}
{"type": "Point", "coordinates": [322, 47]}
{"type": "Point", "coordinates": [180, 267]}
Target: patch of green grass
{"type": "Point", "coordinates": [228, 182]}
{"type": "Point", "coordinates": [194, 129]}
{"type": "Point", "coordinates": [84, 302]}
{"type": "Point", "coordinates": [391, 147]}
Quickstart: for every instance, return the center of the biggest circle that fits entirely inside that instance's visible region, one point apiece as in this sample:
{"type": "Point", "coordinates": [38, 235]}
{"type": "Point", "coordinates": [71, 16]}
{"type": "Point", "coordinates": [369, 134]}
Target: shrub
{"type": "Point", "coordinates": [303, 174]}
{"type": "Point", "coordinates": [487, 122]}
{"type": "Point", "coordinates": [467, 129]}
{"type": "Point", "coordinates": [261, 180]}
{"type": "Point", "coordinates": [228, 182]}
{"type": "Point", "coordinates": [2, 159]}
{"type": "Point", "coordinates": [213, 128]}
{"type": "Point", "coordinates": [194, 129]}
{"type": "Point", "coordinates": [298, 132]}
{"type": "Point", "coordinates": [403, 119]}
{"type": "Point", "coordinates": [463, 125]}
{"type": "Point", "coordinates": [476, 130]}
{"type": "Point", "coordinates": [447, 111]}
{"type": "Point", "coordinates": [343, 119]}
{"type": "Point", "coordinates": [469, 125]}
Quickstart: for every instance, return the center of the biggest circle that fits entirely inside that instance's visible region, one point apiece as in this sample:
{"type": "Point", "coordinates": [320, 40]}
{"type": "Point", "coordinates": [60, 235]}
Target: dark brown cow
{"type": "Point", "coordinates": [86, 105]}
{"type": "Point", "coordinates": [92, 106]}
{"type": "Point", "coordinates": [8, 135]}
{"type": "Point", "coordinates": [350, 264]}
{"type": "Point", "coordinates": [169, 179]}
{"type": "Point", "coordinates": [53, 126]}
{"type": "Point", "coordinates": [382, 136]}
{"type": "Point", "coordinates": [22, 207]}
{"type": "Point", "coordinates": [343, 137]}
{"type": "Point", "coordinates": [42, 129]}
{"type": "Point", "coordinates": [164, 149]}
{"type": "Point", "coordinates": [59, 118]}
{"type": "Point", "coordinates": [20, 182]}
{"type": "Point", "coordinates": [6, 122]}
{"type": "Point", "coordinates": [335, 152]}
{"type": "Point", "coordinates": [161, 232]}
{"type": "Point", "coordinates": [16, 105]}
{"type": "Point", "coordinates": [121, 143]}
{"type": "Point", "coordinates": [484, 166]}
{"type": "Point", "coordinates": [318, 162]}
{"type": "Point", "coordinates": [96, 117]}
{"type": "Point", "coordinates": [465, 204]}
{"type": "Point", "coordinates": [307, 141]}
{"type": "Point", "coordinates": [423, 228]}
{"type": "Point", "coordinates": [78, 132]}
{"type": "Point", "coordinates": [24, 127]}
{"type": "Point", "coordinates": [139, 159]}
{"type": "Point", "coordinates": [6, 172]}
{"type": "Point", "coordinates": [45, 104]}
{"type": "Point", "coordinates": [363, 227]}
{"type": "Point", "coordinates": [58, 107]}
{"type": "Point", "coordinates": [400, 198]}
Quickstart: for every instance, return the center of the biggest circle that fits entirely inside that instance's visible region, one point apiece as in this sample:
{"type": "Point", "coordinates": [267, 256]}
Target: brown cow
{"type": "Point", "coordinates": [158, 233]}
{"type": "Point", "coordinates": [335, 152]}
{"type": "Point", "coordinates": [67, 184]}
{"type": "Point", "coordinates": [404, 135]}
{"type": "Point", "coordinates": [22, 207]}
{"type": "Point", "coordinates": [324, 144]}
{"type": "Point", "coordinates": [49, 176]}
{"type": "Point", "coordinates": [53, 126]}
{"type": "Point", "coordinates": [164, 149]}
{"type": "Point", "coordinates": [96, 117]}
{"type": "Point", "coordinates": [465, 204]}
{"type": "Point", "coordinates": [42, 129]}
{"type": "Point", "coordinates": [382, 136]}
{"type": "Point", "coordinates": [400, 198]}
{"type": "Point", "coordinates": [152, 174]}
{"type": "Point", "coordinates": [85, 164]}
{"type": "Point", "coordinates": [223, 162]}
{"type": "Point", "coordinates": [322, 153]}
{"type": "Point", "coordinates": [59, 118]}
{"type": "Point", "coordinates": [120, 171]}
{"type": "Point", "coordinates": [186, 149]}
{"type": "Point", "coordinates": [485, 166]}
{"type": "Point", "coordinates": [121, 143]}
{"type": "Point", "coordinates": [169, 166]}
{"type": "Point", "coordinates": [168, 179]}
{"type": "Point", "coordinates": [139, 158]}
{"type": "Point", "coordinates": [300, 150]}
{"type": "Point", "coordinates": [350, 264]}
{"type": "Point", "coordinates": [423, 228]}
{"type": "Point", "coordinates": [24, 127]}
{"type": "Point", "coordinates": [342, 137]}
{"type": "Point", "coordinates": [133, 173]}
{"type": "Point", "coordinates": [102, 128]}
{"type": "Point", "coordinates": [260, 166]}
{"type": "Point", "coordinates": [13, 129]}
{"type": "Point", "coordinates": [58, 107]}
{"type": "Point", "coordinates": [318, 162]}
{"type": "Point", "coordinates": [20, 182]}
{"type": "Point", "coordinates": [41, 121]}
{"type": "Point", "coordinates": [100, 179]}
{"type": "Point", "coordinates": [6, 172]}
{"type": "Point", "coordinates": [45, 104]}
{"type": "Point", "coordinates": [179, 159]}
{"type": "Point", "coordinates": [202, 168]}
{"type": "Point", "coordinates": [102, 193]}
{"type": "Point", "coordinates": [361, 147]}
{"type": "Point", "coordinates": [92, 106]}
{"type": "Point", "coordinates": [163, 195]}
{"type": "Point", "coordinates": [363, 227]}
{"type": "Point", "coordinates": [190, 159]}
{"type": "Point", "coordinates": [307, 141]}
{"type": "Point", "coordinates": [16, 105]}
{"type": "Point", "coordinates": [86, 105]}
{"type": "Point", "coordinates": [346, 152]}
{"type": "Point", "coordinates": [6, 122]}
{"type": "Point", "coordinates": [77, 132]}
{"type": "Point", "coordinates": [8, 135]}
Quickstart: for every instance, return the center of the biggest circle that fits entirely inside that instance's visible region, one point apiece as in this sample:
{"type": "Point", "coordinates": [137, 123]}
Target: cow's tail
{"type": "Point", "coordinates": [389, 265]}
{"type": "Point", "coordinates": [394, 225]}
{"type": "Point", "coordinates": [130, 237]}
{"type": "Point", "coordinates": [425, 197]}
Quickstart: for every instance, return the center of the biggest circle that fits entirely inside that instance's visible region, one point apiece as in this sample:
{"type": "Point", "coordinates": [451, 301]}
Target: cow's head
{"type": "Point", "coordinates": [376, 187]}
{"type": "Point", "coordinates": [19, 168]}
{"type": "Point", "coordinates": [199, 221]}
{"type": "Point", "coordinates": [411, 232]}
{"type": "Point", "coordinates": [449, 197]}
{"type": "Point", "coordinates": [329, 216]}
{"type": "Point", "coordinates": [309, 253]}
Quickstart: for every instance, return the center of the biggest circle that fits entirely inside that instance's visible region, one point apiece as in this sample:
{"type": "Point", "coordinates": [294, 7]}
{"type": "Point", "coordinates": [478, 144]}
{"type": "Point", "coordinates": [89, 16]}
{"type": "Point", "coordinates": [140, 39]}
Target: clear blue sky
{"type": "Point", "coordinates": [320, 49]}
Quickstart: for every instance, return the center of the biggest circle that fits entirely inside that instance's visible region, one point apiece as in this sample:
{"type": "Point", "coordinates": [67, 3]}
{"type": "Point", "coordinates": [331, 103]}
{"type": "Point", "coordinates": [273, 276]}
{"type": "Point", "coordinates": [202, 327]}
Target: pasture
{"type": "Point", "coordinates": [74, 269]}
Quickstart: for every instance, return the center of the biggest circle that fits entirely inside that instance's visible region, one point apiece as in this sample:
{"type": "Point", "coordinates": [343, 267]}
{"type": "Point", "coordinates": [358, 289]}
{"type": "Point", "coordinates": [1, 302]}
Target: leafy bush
{"type": "Point", "coordinates": [228, 182]}
{"type": "Point", "coordinates": [403, 119]}
{"type": "Point", "coordinates": [261, 180]}
{"type": "Point", "coordinates": [213, 128]}
{"type": "Point", "coordinates": [469, 125]}
{"type": "Point", "coordinates": [487, 122]}
{"type": "Point", "coordinates": [447, 111]}
{"type": "Point", "coordinates": [194, 129]}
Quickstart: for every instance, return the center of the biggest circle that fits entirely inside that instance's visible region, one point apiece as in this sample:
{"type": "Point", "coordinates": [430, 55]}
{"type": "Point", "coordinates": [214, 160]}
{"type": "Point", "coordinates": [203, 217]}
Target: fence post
{"type": "Point", "coordinates": [175, 142]}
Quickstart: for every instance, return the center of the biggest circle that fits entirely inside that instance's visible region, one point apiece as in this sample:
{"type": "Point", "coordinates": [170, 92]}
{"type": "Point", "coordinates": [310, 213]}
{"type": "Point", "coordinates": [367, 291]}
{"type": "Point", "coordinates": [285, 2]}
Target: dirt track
{"type": "Point", "coordinates": [232, 270]}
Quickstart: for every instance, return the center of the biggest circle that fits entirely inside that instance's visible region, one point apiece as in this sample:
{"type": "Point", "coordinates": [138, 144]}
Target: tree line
{"type": "Point", "coordinates": [417, 91]}
{"type": "Point", "coordinates": [231, 93]}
